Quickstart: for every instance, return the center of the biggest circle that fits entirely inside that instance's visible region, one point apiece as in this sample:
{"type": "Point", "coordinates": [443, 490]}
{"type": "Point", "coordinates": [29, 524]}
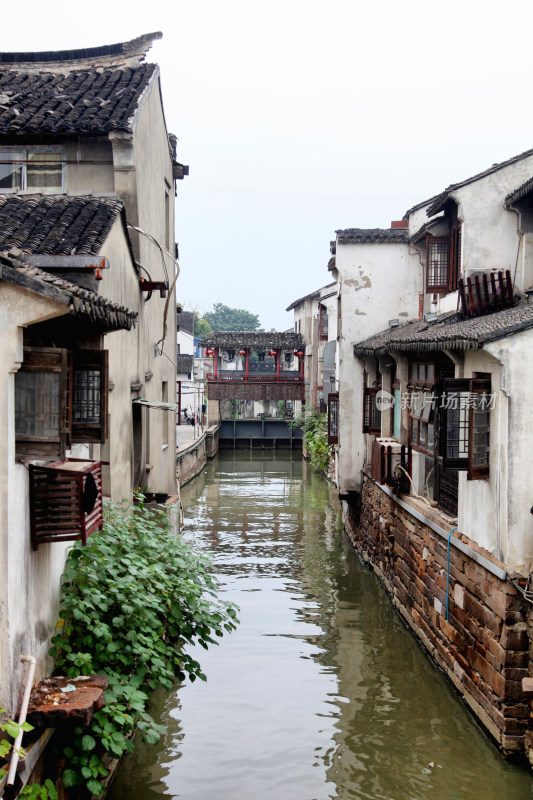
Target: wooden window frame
{"type": "Point", "coordinates": [442, 287]}
{"type": "Point", "coordinates": [477, 420]}
{"type": "Point", "coordinates": [46, 360]}
{"type": "Point", "coordinates": [96, 360]}
{"type": "Point", "coordinates": [64, 363]}
{"type": "Point", "coordinates": [370, 411]}
{"type": "Point", "coordinates": [333, 418]}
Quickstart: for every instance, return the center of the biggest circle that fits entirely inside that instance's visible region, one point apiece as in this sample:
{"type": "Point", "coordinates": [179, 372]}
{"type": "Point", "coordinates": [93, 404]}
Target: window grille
{"type": "Point", "coordinates": [333, 418]}
{"type": "Point", "coordinates": [371, 413]}
{"type": "Point", "coordinates": [437, 264]}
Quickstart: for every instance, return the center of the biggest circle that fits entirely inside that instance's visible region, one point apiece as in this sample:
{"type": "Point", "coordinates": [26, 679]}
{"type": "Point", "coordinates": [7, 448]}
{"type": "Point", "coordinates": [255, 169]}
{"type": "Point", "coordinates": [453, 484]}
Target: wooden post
{"type": "Point", "coordinates": [302, 366]}
{"type": "Point", "coordinates": [278, 361]}
{"type": "Point", "coordinates": [247, 364]}
{"type": "Point", "coordinates": [179, 402]}
{"type": "Point", "coordinates": [215, 364]}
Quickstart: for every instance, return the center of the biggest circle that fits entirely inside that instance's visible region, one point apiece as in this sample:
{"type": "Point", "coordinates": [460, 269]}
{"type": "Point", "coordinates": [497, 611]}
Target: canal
{"type": "Point", "coordinates": [321, 692]}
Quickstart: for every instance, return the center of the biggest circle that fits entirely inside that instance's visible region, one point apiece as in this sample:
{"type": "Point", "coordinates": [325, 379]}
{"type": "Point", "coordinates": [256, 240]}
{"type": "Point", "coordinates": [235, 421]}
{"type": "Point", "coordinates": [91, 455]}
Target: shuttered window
{"type": "Point", "coordinates": [60, 398]}
{"type": "Point", "coordinates": [371, 413]}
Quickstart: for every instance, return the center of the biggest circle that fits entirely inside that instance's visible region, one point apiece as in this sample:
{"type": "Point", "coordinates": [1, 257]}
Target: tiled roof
{"type": "Point", "coordinates": [449, 332]}
{"type": "Point", "coordinates": [56, 225]}
{"type": "Point", "coordinates": [89, 101]}
{"type": "Point", "coordinates": [104, 313]}
{"type": "Point", "coordinates": [372, 235]}
{"type": "Point", "coordinates": [519, 193]}
{"type": "Point", "coordinates": [421, 232]}
{"type": "Point", "coordinates": [263, 340]}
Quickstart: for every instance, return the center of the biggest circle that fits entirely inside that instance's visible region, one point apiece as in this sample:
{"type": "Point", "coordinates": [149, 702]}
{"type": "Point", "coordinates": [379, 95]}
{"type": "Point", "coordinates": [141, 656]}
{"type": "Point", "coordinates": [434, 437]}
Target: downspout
{"type": "Point", "coordinates": [520, 234]}
{"type": "Point", "coordinates": [22, 719]}
{"type": "Point", "coordinates": [448, 577]}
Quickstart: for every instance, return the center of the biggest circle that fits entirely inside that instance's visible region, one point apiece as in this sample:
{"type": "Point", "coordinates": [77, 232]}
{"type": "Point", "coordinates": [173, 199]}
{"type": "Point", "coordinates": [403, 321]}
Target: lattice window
{"type": "Point", "coordinates": [465, 426]}
{"type": "Point", "coordinates": [437, 264]}
{"type": "Point", "coordinates": [371, 412]}
{"type": "Point", "coordinates": [333, 418]}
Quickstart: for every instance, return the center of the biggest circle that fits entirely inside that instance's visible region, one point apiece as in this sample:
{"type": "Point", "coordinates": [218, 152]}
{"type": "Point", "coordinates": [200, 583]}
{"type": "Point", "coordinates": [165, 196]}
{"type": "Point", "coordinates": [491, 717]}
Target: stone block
{"type": "Point", "coordinates": [484, 616]}
{"type": "Point", "coordinates": [514, 637]}
{"type": "Point", "coordinates": [493, 678]}
{"type": "Point", "coordinates": [459, 595]}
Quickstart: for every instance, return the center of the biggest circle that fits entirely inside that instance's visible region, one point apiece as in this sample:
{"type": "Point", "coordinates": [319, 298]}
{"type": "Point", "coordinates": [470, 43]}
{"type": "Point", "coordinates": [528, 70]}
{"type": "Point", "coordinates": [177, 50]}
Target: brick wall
{"type": "Point", "coordinates": [484, 647]}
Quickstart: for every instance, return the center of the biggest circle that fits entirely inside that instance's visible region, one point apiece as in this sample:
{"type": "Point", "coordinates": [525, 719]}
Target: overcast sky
{"type": "Point", "coordinates": [299, 118]}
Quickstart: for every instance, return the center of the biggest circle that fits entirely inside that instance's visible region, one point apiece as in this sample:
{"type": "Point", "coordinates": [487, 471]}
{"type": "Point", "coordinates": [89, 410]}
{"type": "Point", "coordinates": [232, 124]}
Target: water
{"type": "Point", "coordinates": [321, 692]}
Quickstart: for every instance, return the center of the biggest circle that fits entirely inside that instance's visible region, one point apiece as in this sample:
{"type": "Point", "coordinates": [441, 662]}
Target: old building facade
{"type": "Point", "coordinates": [87, 296]}
{"type": "Point", "coordinates": [432, 429]}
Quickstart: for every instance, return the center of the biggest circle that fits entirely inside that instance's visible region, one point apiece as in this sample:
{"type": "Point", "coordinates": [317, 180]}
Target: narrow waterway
{"type": "Point", "coordinates": [321, 692]}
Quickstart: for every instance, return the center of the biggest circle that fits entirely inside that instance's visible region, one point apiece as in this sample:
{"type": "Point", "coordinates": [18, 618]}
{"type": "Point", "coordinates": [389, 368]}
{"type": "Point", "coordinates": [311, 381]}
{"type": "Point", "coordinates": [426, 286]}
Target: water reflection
{"type": "Point", "coordinates": [321, 692]}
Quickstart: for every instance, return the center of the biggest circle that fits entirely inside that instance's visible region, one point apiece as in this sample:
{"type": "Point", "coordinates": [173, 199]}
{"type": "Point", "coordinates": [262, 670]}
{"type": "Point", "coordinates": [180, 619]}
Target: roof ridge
{"type": "Point", "coordinates": [134, 49]}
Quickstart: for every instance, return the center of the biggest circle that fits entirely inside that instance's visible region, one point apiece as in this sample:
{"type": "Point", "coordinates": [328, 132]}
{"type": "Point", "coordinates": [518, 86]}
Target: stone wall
{"type": "Point", "coordinates": [484, 646]}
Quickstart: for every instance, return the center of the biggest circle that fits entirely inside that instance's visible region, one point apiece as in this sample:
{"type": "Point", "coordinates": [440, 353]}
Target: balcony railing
{"type": "Point", "coordinates": [255, 377]}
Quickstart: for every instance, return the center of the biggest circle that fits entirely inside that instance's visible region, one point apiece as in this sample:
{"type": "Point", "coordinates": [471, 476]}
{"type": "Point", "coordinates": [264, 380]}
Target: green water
{"type": "Point", "coordinates": [321, 692]}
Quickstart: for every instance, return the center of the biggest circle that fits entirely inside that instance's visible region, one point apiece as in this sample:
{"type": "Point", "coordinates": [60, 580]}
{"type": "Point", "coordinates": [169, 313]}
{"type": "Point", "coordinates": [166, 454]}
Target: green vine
{"type": "Point", "coordinates": [131, 600]}
{"type": "Point", "coordinates": [315, 428]}
{"type": "Point", "coordinates": [35, 790]}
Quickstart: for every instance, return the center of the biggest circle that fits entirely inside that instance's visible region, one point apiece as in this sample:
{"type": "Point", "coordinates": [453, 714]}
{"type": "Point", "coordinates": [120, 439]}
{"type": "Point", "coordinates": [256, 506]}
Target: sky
{"type": "Point", "coordinates": [301, 118]}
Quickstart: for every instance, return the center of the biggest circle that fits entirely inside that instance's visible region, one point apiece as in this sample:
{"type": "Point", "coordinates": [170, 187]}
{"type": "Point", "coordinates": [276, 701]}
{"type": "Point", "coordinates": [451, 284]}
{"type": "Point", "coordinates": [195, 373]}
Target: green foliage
{"type": "Point", "coordinates": [224, 318]}
{"type": "Point", "coordinates": [132, 598]}
{"type": "Point", "coordinates": [234, 406]}
{"type": "Point", "coordinates": [201, 326]}
{"type": "Point", "coordinates": [12, 728]}
{"type": "Point", "coordinates": [315, 428]}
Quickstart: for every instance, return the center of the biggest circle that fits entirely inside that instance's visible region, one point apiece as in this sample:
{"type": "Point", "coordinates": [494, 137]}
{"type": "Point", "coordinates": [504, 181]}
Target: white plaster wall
{"type": "Point", "coordinates": [481, 514]}
{"type": "Point", "coordinates": [126, 362]}
{"type": "Point", "coordinates": [514, 461]}
{"type": "Point", "coordinates": [490, 238]}
{"type": "Point", "coordinates": [29, 589]}
{"type": "Point", "coordinates": [186, 343]}
{"type": "Point", "coordinates": [377, 282]}
{"type": "Point", "coordinates": [153, 169]}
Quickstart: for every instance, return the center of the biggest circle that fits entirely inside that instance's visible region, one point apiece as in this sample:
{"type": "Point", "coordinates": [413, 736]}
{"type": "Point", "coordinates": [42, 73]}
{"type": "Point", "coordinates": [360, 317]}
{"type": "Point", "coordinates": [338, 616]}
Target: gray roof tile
{"type": "Point", "coordinates": [82, 101]}
{"type": "Point", "coordinates": [56, 225]}
{"type": "Point", "coordinates": [449, 332]}
{"type": "Point", "coordinates": [372, 235]}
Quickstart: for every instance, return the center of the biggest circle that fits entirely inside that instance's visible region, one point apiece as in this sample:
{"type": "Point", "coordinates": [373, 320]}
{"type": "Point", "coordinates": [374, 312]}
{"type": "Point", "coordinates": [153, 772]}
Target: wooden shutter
{"type": "Point", "coordinates": [42, 421]}
{"type": "Point", "coordinates": [90, 388]}
{"type": "Point", "coordinates": [371, 413]}
{"type": "Point", "coordinates": [455, 255]}
{"type": "Point", "coordinates": [479, 434]}
{"type": "Point", "coordinates": [333, 418]}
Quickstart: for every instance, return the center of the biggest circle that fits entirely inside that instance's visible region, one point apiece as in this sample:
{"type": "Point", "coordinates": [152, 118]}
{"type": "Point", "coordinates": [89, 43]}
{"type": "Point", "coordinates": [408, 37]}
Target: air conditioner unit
{"type": "Point", "coordinates": [388, 456]}
{"type": "Point", "coordinates": [65, 501]}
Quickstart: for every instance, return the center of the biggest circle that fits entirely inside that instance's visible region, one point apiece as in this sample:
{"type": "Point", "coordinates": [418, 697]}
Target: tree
{"type": "Point", "coordinates": [201, 326]}
{"type": "Point", "coordinates": [224, 318]}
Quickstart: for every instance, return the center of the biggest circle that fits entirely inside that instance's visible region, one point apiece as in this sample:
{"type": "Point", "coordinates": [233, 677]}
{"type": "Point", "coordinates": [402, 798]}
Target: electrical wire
{"type": "Point", "coordinates": [163, 251]}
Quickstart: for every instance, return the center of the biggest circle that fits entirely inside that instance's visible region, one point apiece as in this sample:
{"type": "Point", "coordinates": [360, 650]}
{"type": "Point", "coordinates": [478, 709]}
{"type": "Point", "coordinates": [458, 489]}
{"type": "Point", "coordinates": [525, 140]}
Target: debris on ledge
{"type": "Point", "coordinates": [60, 700]}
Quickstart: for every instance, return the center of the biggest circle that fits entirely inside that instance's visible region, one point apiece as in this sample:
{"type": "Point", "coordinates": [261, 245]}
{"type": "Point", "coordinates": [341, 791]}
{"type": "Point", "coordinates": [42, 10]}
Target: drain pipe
{"type": "Point", "coordinates": [448, 576]}
{"type": "Point", "coordinates": [22, 718]}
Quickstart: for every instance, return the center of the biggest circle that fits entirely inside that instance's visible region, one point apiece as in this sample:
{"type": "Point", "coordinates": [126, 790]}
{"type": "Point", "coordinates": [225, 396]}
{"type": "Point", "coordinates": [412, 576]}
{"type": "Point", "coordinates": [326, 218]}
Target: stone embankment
{"type": "Point", "coordinates": [468, 615]}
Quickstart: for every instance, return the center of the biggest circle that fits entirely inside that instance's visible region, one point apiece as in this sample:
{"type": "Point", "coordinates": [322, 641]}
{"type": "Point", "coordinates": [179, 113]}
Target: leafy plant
{"type": "Point", "coordinates": [35, 790]}
{"type": "Point", "coordinates": [315, 428]}
{"type": "Point", "coordinates": [132, 598]}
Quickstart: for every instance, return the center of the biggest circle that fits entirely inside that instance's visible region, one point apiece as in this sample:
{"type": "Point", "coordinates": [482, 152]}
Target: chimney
{"type": "Point", "coordinates": [400, 223]}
